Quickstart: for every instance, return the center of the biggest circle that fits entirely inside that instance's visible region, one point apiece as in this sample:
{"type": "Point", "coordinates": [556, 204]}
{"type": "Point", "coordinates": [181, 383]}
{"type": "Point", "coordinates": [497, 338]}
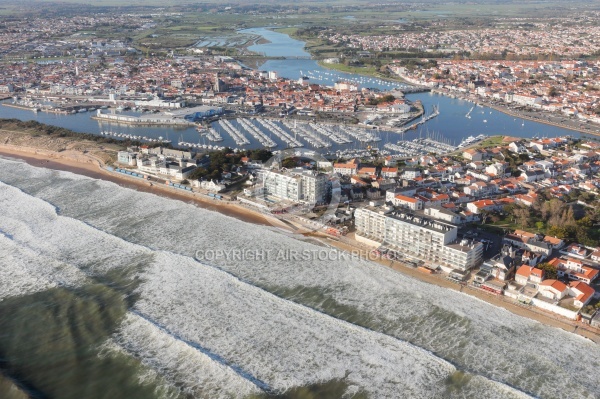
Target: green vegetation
{"type": "Point", "coordinates": [550, 271]}
{"type": "Point", "coordinates": [287, 31]}
{"type": "Point", "coordinates": [493, 141]}
{"type": "Point", "coordinates": [367, 70]}
{"type": "Point", "coordinates": [388, 98]}
{"type": "Point", "coordinates": [224, 161]}
{"type": "Point", "coordinates": [553, 217]}
{"type": "Point", "coordinates": [36, 128]}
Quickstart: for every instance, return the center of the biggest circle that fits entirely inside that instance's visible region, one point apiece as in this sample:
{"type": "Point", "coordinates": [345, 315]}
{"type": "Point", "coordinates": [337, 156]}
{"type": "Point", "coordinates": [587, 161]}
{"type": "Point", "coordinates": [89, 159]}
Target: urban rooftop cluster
{"type": "Point", "coordinates": [521, 38]}
{"type": "Point", "coordinates": [570, 88]}
{"type": "Point", "coordinates": [182, 77]}
{"type": "Point", "coordinates": [64, 36]}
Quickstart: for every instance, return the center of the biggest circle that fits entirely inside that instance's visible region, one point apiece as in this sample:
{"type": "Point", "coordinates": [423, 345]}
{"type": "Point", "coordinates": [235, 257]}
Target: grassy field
{"type": "Point", "coordinates": [367, 70]}
{"type": "Point", "coordinates": [287, 31]}
{"type": "Point", "coordinates": [493, 141]}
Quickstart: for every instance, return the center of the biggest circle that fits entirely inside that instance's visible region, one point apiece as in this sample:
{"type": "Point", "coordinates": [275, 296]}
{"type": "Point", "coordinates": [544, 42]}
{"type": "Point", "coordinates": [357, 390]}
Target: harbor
{"type": "Point", "coordinates": [416, 147]}
{"type": "Point", "coordinates": [446, 118]}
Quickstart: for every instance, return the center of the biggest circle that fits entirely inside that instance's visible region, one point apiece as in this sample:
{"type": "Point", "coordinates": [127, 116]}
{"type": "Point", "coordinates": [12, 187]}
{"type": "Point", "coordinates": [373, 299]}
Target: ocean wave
{"type": "Point", "coordinates": [489, 343]}
{"type": "Point", "coordinates": [197, 373]}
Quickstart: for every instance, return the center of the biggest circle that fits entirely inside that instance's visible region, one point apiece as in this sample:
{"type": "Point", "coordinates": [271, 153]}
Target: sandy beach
{"type": "Point", "coordinates": [88, 165]}
{"type": "Point", "coordinates": [91, 166]}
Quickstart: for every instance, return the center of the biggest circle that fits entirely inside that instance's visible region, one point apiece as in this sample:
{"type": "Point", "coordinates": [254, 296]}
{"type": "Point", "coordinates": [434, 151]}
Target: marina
{"type": "Point", "coordinates": [435, 112]}
{"type": "Point", "coordinates": [235, 134]}
{"type": "Point", "coordinates": [258, 134]}
{"type": "Point", "coordinates": [279, 134]}
{"type": "Point", "coordinates": [420, 147]}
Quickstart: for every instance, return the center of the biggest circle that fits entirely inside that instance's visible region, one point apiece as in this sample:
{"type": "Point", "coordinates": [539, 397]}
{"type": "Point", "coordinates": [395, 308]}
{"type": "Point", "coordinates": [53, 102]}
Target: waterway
{"type": "Point", "coordinates": [451, 124]}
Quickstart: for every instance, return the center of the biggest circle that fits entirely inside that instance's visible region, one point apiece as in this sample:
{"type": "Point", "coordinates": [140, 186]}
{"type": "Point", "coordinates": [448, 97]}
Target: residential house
{"type": "Point", "coordinates": [472, 155]}
{"type": "Point", "coordinates": [529, 275]}
{"type": "Point", "coordinates": [347, 168]}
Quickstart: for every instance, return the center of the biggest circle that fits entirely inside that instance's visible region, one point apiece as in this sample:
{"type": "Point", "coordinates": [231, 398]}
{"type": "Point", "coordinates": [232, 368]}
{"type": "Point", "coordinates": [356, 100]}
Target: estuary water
{"type": "Point", "coordinates": [451, 124]}
{"type": "Point", "coordinates": [106, 292]}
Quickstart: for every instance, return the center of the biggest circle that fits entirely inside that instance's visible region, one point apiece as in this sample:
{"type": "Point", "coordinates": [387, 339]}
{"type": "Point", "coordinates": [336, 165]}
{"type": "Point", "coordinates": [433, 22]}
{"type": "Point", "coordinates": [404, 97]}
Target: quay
{"type": "Point", "coordinates": [140, 121]}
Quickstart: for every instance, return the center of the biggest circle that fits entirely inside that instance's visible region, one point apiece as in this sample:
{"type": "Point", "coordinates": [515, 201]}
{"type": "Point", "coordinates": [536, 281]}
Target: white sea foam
{"type": "Point", "coordinates": [185, 365]}
{"type": "Point", "coordinates": [35, 225]}
{"type": "Point", "coordinates": [20, 272]}
{"type": "Point", "coordinates": [484, 340]}
{"type": "Point", "coordinates": [277, 341]}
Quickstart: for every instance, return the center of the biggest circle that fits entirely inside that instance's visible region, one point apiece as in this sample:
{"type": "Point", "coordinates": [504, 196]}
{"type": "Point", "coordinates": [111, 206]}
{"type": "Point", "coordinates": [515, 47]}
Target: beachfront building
{"type": "Point", "coordinates": [419, 237]}
{"type": "Point", "coordinates": [172, 166]}
{"type": "Point", "coordinates": [314, 186]}
{"type": "Point", "coordinates": [574, 269]}
{"type": "Point", "coordinates": [126, 158]}
{"type": "Point", "coordinates": [295, 185]}
{"type": "Point", "coordinates": [281, 185]}
{"type": "Point", "coordinates": [370, 224]}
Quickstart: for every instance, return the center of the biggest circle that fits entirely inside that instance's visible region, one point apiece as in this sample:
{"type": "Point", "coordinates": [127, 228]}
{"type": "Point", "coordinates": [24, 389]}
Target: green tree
{"type": "Point", "coordinates": [557, 231]}
{"type": "Point", "coordinates": [585, 222]}
{"type": "Point", "coordinates": [289, 163]}
{"type": "Point", "coordinates": [549, 270]}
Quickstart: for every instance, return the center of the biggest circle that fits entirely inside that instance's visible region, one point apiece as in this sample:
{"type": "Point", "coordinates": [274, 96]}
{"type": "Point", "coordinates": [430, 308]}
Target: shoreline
{"type": "Point", "coordinates": [506, 111]}
{"type": "Point", "coordinates": [84, 164]}
{"type": "Point", "coordinates": [92, 167]}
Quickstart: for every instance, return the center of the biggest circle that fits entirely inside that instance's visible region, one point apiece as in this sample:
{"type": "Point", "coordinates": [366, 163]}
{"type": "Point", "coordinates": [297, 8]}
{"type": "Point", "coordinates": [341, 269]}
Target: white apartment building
{"type": "Point", "coordinates": [127, 158]}
{"type": "Point", "coordinates": [370, 223]}
{"type": "Point", "coordinates": [419, 237]}
{"type": "Point", "coordinates": [296, 185]}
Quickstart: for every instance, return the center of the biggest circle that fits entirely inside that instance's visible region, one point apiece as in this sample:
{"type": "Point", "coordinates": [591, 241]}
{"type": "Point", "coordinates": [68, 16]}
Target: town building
{"type": "Point", "coordinates": [297, 185]}
{"type": "Point", "coordinates": [419, 237]}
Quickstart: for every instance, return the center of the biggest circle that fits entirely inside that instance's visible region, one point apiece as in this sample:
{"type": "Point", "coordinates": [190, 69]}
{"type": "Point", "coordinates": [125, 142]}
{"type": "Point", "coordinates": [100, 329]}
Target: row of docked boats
{"type": "Point", "coordinates": [255, 132]}
{"type": "Point", "coordinates": [272, 127]}
{"type": "Point", "coordinates": [234, 132]}
{"type": "Point", "coordinates": [308, 134]}
{"type": "Point", "coordinates": [213, 135]}
{"type": "Point", "coordinates": [202, 146]}
{"type": "Point", "coordinates": [125, 136]}
{"type": "Point", "coordinates": [472, 140]}
{"type": "Point", "coordinates": [419, 147]}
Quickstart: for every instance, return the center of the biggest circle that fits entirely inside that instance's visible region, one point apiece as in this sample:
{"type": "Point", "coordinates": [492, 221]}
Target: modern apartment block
{"type": "Point", "coordinates": [295, 185]}
{"type": "Point", "coordinates": [419, 237]}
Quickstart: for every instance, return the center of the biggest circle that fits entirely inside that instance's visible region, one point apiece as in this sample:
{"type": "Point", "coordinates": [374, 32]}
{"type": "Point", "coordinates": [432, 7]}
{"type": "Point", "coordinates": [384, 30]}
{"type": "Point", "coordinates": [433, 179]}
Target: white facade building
{"type": "Point", "coordinates": [299, 185]}
{"type": "Point", "coordinates": [419, 237]}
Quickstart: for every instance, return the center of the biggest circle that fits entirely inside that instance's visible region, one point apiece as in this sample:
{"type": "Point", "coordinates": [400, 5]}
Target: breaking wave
{"type": "Point", "coordinates": [251, 326]}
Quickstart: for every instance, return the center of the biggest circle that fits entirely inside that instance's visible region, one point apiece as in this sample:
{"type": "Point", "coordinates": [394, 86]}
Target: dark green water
{"type": "Point", "coordinates": [50, 342]}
